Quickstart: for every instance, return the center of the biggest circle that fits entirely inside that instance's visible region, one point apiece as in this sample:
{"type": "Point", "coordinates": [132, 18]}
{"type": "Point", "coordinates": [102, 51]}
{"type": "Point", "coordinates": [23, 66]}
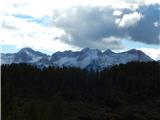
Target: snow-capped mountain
{"type": "Point", "coordinates": [86, 58]}
{"type": "Point", "coordinates": [25, 55]}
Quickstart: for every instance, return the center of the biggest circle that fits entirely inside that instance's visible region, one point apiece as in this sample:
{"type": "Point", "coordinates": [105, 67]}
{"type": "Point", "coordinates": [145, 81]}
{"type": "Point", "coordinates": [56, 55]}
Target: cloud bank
{"type": "Point", "coordinates": [59, 25]}
{"type": "Point", "coordinates": [91, 26]}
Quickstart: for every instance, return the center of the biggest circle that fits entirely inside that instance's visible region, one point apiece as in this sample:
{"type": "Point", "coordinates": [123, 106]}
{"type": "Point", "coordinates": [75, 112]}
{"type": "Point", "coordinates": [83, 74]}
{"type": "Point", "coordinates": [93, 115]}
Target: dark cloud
{"type": "Point", "coordinates": [145, 31]}
{"type": "Point", "coordinates": [95, 27]}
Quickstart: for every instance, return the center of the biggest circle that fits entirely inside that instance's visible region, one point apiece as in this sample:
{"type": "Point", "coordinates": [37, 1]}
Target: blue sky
{"type": "Point", "coordinates": [54, 25]}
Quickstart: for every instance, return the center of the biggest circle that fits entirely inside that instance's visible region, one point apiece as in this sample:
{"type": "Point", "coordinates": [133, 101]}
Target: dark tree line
{"type": "Point", "coordinates": [32, 93]}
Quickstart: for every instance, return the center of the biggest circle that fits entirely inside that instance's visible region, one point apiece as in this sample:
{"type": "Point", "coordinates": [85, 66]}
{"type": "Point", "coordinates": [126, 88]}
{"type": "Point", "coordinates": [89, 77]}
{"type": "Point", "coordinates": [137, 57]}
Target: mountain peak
{"type": "Point", "coordinates": [134, 50]}
{"type": "Point", "coordinates": [141, 56]}
{"type": "Point", "coordinates": [26, 49]}
{"type": "Point", "coordinates": [85, 57]}
{"type": "Point", "coordinates": [108, 51]}
{"type": "Point", "coordinates": [89, 50]}
{"type": "Point", "coordinates": [86, 49]}
{"type": "Point", "coordinates": [30, 51]}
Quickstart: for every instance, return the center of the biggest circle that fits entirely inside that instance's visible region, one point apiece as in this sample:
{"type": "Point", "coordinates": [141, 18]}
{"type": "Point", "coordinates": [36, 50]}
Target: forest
{"type": "Point", "coordinates": [123, 92]}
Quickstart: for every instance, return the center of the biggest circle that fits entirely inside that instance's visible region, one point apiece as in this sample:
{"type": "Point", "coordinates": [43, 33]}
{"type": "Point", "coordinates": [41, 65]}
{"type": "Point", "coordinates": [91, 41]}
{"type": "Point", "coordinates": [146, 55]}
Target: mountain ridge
{"type": "Point", "coordinates": [86, 58]}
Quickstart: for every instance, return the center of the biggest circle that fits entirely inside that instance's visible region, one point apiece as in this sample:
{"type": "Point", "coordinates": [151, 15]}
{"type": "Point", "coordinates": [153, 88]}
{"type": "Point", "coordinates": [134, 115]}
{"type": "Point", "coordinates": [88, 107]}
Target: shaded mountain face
{"type": "Point", "coordinates": [86, 58]}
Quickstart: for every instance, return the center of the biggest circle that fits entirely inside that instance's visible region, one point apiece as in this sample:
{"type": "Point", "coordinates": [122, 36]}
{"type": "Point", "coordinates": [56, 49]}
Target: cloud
{"type": "Point", "coordinates": [117, 13]}
{"type": "Point", "coordinates": [112, 43]}
{"type": "Point", "coordinates": [24, 33]}
{"type": "Point", "coordinates": [156, 24]}
{"type": "Point", "coordinates": [27, 7]}
{"type": "Point", "coordinates": [145, 31]}
{"type": "Point", "coordinates": [151, 2]}
{"type": "Point", "coordinates": [129, 20]}
{"type": "Point", "coordinates": [78, 24]}
{"type": "Point", "coordinates": [89, 26]}
{"type": "Point", "coordinates": [39, 8]}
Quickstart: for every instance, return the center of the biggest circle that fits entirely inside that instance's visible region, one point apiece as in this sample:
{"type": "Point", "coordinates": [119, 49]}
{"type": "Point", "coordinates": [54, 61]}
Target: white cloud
{"type": "Point", "coordinates": [39, 8]}
{"type": "Point", "coordinates": [156, 24]}
{"type": "Point", "coordinates": [21, 33]}
{"type": "Point", "coordinates": [36, 8]}
{"type": "Point", "coordinates": [117, 13]}
{"type": "Point", "coordinates": [112, 42]}
{"type": "Point", "coordinates": [152, 52]}
{"type": "Point", "coordinates": [117, 20]}
{"type": "Point", "coordinates": [148, 2]}
{"type": "Point", "coordinates": [129, 20]}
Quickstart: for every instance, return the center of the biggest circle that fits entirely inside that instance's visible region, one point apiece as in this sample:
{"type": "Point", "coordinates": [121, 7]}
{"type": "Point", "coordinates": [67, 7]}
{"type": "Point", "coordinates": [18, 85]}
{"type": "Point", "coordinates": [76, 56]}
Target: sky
{"type": "Point", "coordinates": [57, 25]}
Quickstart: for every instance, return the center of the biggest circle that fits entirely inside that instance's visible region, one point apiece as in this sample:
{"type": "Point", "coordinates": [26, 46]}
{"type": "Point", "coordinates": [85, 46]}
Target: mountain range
{"type": "Point", "coordinates": [86, 58]}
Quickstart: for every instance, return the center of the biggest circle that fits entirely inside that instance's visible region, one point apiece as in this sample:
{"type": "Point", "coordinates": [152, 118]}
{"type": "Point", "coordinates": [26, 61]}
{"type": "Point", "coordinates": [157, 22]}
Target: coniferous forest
{"type": "Point", "coordinates": [122, 92]}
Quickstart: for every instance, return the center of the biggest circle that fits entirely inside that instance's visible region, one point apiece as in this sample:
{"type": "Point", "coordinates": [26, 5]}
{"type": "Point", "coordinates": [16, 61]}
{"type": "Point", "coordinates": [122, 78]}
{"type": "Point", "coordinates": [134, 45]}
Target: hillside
{"type": "Point", "coordinates": [123, 92]}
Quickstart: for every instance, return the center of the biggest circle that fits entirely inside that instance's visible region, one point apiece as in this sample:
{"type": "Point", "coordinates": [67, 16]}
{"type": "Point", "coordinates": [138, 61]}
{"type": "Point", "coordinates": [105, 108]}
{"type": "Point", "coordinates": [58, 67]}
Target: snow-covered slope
{"type": "Point", "coordinates": [86, 58]}
{"type": "Point", "coordinates": [25, 55]}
